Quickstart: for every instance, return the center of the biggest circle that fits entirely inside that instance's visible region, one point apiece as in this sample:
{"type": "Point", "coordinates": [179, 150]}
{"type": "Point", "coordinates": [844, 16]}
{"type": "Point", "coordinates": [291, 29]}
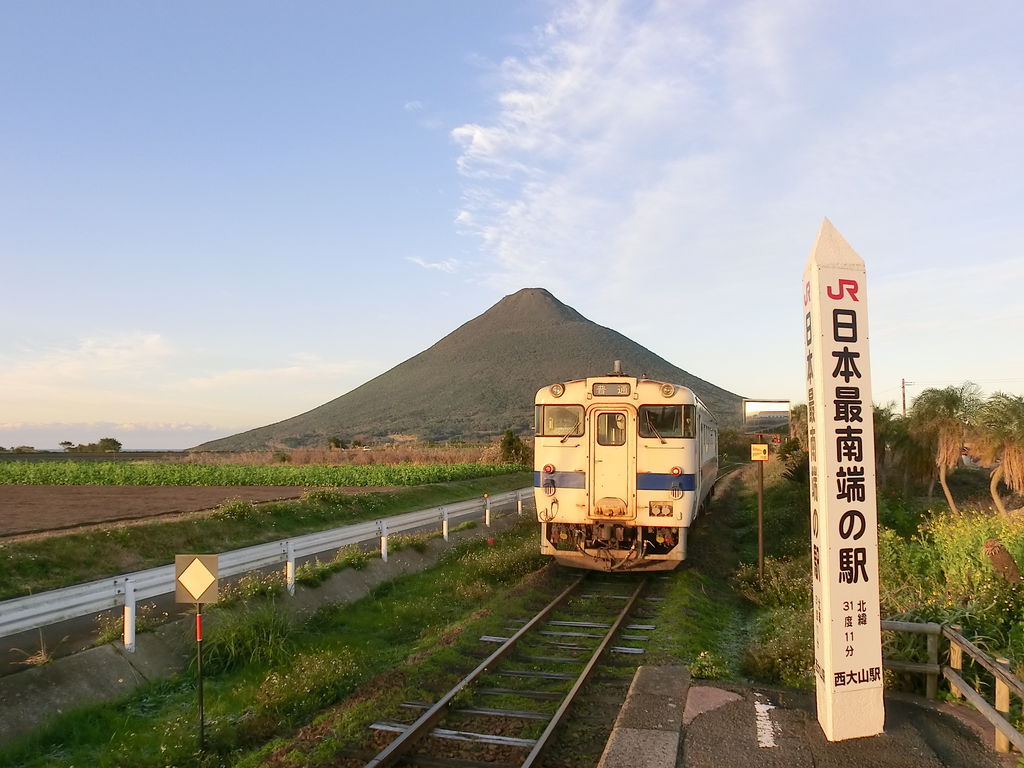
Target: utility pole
{"type": "Point", "coordinates": [903, 387]}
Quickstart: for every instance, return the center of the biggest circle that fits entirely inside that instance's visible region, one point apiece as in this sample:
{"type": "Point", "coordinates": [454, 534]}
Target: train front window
{"type": "Point", "coordinates": [560, 420]}
{"type": "Point", "coordinates": [611, 428]}
{"type": "Point", "coordinates": [666, 421]}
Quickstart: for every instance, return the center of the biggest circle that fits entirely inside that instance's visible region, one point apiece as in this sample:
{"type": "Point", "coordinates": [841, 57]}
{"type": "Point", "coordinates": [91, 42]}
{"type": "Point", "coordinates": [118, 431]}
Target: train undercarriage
{"type": "Point", "coordinates": [611, 546]}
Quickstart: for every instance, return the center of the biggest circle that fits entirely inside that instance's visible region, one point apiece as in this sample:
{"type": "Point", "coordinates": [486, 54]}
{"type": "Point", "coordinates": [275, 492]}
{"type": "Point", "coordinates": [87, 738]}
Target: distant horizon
{"type": "Point", "coordinates": [136, 439]}
{"type": "Point", "coordinates": [97, 453]}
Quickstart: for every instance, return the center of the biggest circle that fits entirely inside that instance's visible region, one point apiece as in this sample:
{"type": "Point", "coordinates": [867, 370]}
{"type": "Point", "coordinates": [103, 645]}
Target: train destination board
{"type": "Point", "coordinates": [613, 389]}
{"type": "Point", "coordinates": [844, 535]}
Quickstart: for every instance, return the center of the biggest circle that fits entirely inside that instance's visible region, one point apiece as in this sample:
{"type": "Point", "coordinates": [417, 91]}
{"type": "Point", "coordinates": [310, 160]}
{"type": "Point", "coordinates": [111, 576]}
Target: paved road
{"type": "Point", "coordinates": [764, 728]}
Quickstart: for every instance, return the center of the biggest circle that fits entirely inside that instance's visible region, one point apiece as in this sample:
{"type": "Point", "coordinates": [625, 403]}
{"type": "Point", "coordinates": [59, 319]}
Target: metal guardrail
{"type": "Point", "coordinates": [1005, 682]}
{"type": "Point", "coordinates": [45, 608]}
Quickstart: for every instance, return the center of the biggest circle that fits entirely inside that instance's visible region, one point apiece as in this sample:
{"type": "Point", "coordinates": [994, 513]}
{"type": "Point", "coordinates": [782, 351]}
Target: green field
{"type": "Point", "coordinates": [119, 473]}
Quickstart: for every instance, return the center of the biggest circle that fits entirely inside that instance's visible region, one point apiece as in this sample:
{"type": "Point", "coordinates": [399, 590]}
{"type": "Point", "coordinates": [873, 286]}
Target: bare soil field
{"type": "Point", "coordinates": [27, 509]}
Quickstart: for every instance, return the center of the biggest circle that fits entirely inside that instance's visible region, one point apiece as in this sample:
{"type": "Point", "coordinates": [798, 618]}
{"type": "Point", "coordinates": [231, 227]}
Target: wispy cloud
{"type": "Point", "coordinates": [613, 106]}
{"type": "Point", "coordinates": [129, 378]}
{"type": "Point", "coordinates": [123, 354]}
{"type": "Point", "coordinates": [668, 164]}
{"type": "Point", "coordinates": [301, 370]}
{"type": "Point", "coordinates": [447, 265]}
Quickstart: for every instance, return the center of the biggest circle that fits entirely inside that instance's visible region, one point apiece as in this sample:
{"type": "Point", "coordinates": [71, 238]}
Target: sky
{"type": "Point", "coordinates": [214, 216]}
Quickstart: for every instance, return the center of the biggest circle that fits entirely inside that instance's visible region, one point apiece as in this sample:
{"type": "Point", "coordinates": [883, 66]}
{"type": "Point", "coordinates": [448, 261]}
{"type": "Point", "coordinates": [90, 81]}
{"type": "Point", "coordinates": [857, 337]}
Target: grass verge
{"type": "Point", "coordinates": [269, 676]}
{"type": "Point", "coordinates": [35, 565]}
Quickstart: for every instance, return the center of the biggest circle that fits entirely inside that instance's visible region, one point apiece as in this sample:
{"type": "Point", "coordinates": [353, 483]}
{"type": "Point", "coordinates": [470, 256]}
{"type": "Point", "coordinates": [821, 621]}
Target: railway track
{"type": "Point", "coordinates": [506, 711]}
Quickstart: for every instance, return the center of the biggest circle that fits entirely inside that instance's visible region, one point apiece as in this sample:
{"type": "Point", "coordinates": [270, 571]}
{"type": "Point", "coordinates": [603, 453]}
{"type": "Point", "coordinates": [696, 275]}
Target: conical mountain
{"type": "Point", "coordinates": [480, 380]}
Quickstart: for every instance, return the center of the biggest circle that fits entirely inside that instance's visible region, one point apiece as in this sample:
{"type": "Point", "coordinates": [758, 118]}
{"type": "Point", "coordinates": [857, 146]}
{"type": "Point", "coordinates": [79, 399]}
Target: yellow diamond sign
{"type": "Point", "coordinates": [195, 578]}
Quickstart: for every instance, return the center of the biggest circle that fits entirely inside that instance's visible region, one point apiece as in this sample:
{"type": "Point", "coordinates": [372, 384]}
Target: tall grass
{"type": "Point", "coordinates": [123, 473]}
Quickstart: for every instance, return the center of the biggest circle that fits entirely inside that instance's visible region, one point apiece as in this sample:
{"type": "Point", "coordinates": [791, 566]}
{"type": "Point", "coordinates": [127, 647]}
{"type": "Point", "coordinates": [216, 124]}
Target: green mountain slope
{"type": "Point", "coordinates": [480, 380]}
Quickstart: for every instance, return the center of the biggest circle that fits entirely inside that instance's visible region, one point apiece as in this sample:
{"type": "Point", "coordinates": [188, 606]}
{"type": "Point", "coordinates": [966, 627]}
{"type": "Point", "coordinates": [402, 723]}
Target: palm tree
{"type": "Point", "coordinates": [912, 454]}
{"type": "Point", "coordinates": [884, 418]}
{"type": "Point", "coordinates": [999, 438]}
{"type": "Point", "coordinates": [943, 417]}
{"type": "Point", "coordinates": [798, 424]}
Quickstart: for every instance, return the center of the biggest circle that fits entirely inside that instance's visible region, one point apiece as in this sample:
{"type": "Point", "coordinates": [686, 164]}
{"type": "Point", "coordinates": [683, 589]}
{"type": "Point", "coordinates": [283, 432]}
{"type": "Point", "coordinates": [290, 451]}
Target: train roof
{"type": "Point", "coordinates": [610, 377]}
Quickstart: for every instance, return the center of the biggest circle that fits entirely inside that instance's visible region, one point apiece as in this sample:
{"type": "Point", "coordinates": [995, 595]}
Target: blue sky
{"type": "Point", "coordinates": [217, 216]}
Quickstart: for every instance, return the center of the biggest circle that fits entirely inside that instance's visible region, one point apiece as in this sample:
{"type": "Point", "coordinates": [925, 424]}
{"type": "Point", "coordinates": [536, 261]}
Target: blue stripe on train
{"type": "Point", "coordinates": [648, 481]}
{"type": "Point", "coordinates": [563, 479]}
{"type": "Point", "coordinates": [653, 481]}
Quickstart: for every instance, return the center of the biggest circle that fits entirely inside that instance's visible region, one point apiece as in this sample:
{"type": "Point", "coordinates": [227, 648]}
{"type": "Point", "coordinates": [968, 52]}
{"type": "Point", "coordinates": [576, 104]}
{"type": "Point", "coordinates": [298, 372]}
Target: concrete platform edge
{"type": "Point", "coordinates": [648, 728]}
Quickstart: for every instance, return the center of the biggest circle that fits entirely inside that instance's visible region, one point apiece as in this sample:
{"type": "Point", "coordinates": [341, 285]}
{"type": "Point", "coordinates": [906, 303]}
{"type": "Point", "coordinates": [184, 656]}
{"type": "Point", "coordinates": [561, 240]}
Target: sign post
{"type": "Point", "coordinates": [760, 416]}
{"type": "Point", "coordinates": [844, 534]}
{"type": "Point", "coordinates": [195, 581]}
{"type": "Point", "coordinates": [759, 453]}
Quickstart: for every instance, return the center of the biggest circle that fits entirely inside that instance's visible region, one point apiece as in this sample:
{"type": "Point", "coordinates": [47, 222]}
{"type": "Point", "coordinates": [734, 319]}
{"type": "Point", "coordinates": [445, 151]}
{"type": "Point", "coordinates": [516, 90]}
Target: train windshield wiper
{"type": "Point", "coordinates": [653, 428]}
{"type": "Point", "coordinates": [572, 431]}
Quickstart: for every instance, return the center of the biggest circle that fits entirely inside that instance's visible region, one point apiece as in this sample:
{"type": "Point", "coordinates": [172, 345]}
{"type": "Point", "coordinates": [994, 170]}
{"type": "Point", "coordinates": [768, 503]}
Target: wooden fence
{"type": "Point", "coordinates": [1005, 681]}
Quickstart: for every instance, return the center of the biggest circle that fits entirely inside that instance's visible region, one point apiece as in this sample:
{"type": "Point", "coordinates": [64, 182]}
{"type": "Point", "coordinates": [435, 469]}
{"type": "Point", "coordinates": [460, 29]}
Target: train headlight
{"type": "Point", "coordinates": [549, 469]}
{"type": "Point", "coordinates": [557, 390]}
{"type": "Point", "coordinates": [668, 390]}
{"type": "Point", "coordinates": [677, 471]}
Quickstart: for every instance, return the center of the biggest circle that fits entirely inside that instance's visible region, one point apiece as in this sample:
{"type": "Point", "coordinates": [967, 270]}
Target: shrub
{"type": "Point", "coordinates": [250, 633]}
{"type": "Point", "coordinates": [254, 584]}
{"type": "Point", "coordinates": [310, 682]}
{"type": "Point", "coordinates": [316, 571]}
{"type": "Point", "coordinates": [783, 648]}
{"type": "Point", "coordinates": [237, 509]}
{"type": "Point", "coordinates": [327, 498]}
{"type": "Point", "coordinates": [787, 583]}
{"type": "Point", "coordinates": [709, 666]}
{"type": "Point", "coordinates": [110, 626]}
{"type": "Point", "coordinates": [415, 541]}
{"type": "Point", "coordinates": [942, 575]}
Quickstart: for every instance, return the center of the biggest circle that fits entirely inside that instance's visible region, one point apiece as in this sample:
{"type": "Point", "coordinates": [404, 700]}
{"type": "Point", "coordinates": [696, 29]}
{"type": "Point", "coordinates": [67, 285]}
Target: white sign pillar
{"type": "Point", "coordinates": [844, 533]}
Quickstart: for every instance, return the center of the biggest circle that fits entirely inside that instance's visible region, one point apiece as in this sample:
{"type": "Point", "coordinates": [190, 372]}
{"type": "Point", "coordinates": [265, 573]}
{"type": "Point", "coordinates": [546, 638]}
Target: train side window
{"type": "Point", "coordinates": [611, 428]}
{"type": "Point", "coordinates": [689, 421]}
{"type": "Point", "coordinates": [560, 420]}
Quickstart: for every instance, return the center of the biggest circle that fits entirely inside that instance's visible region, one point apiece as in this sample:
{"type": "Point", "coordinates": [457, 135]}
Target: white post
{"type": "Point", "coordinates": [444, 522]}
{"type": "Point", "coordinates": [487, 510]}
{"type": "Point", "coordinates": [844, 526]}
{"type": "Point", "coordinates": [129, 616]}
{"type": "Point", "coordinates": [289, 567]}
{"type": "Point", "coordinates": [382, 526]}
{"type": "Point", "coordinates": [519, 504]}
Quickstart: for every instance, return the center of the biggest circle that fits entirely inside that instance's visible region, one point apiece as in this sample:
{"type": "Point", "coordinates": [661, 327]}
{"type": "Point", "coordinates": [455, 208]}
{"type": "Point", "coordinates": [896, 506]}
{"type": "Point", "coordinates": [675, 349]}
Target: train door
{"type": "Point", "coordinates": [612, 469]}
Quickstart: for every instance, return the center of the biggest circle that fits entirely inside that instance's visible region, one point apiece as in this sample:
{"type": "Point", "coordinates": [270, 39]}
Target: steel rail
{"type": "Point", "coordinates": [422, 726]}
{"type": "Point", "coordinates": [559, 715]}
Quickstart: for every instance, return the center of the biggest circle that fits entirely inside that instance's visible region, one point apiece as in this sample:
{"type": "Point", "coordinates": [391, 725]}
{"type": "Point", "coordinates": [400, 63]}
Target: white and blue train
{"type": "Point", "coordinates": [622, 467]}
